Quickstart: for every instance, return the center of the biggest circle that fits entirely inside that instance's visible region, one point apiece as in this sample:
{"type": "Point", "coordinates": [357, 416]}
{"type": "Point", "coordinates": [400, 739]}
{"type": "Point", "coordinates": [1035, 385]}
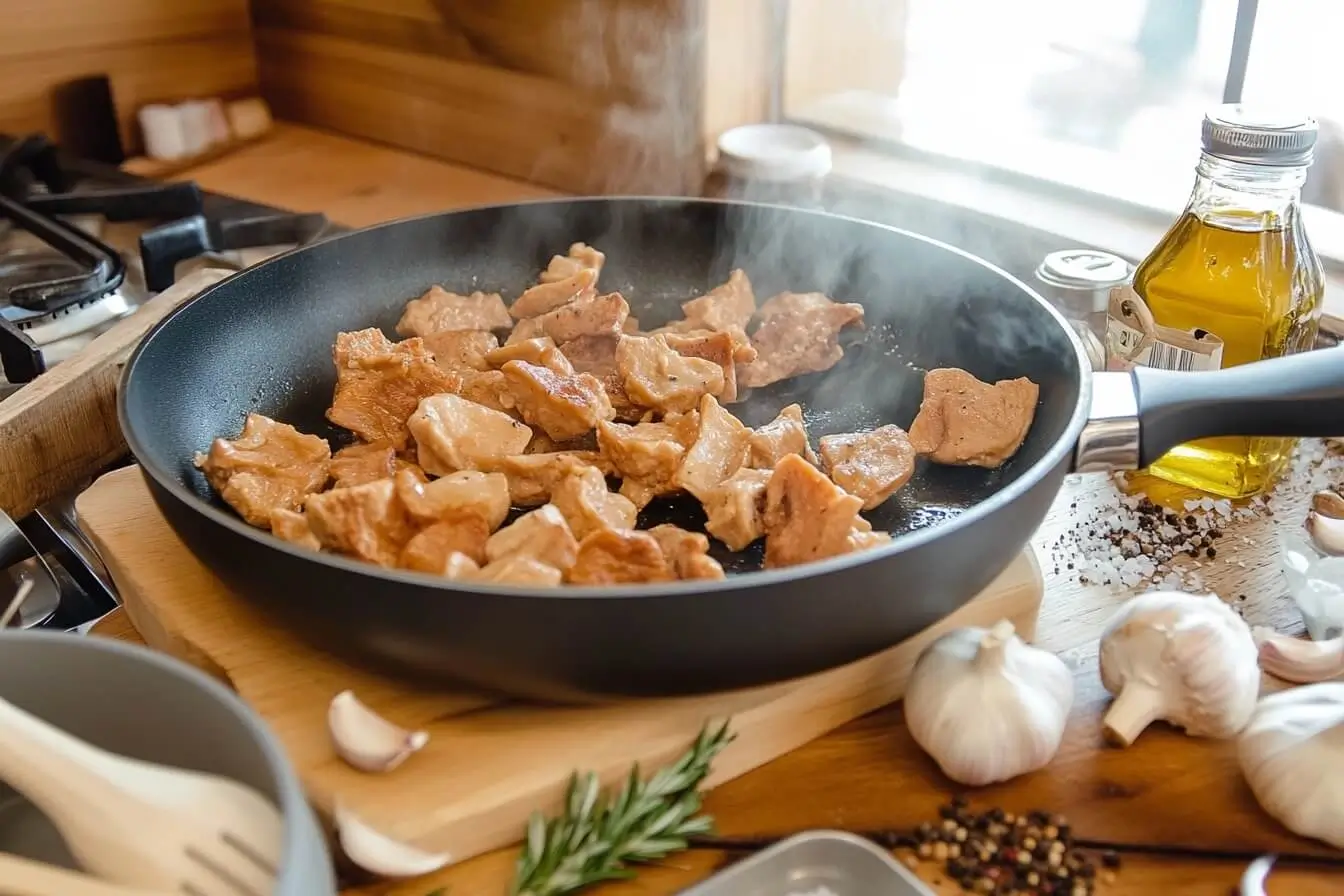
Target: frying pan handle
{"type": "Point", "coordinates": [1138, 416]}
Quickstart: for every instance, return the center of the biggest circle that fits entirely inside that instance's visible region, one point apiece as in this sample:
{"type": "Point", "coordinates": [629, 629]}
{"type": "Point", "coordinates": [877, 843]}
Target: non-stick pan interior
{"type": "Point", "coordinates": [261, 341]}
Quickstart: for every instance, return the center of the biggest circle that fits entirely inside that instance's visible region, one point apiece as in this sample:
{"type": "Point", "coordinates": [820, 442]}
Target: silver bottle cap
{"type": "Point", "coordinates": [1086, 269]}
{"type": "Point", "coordinates": [1237, 133]}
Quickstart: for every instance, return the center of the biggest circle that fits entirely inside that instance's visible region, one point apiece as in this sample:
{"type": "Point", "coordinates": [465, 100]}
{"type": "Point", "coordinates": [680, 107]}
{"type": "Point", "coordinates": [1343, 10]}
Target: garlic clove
{"type": "Point", "coordinates": [1297, 660]}
{"type": "Point", "coordinates": [1253, 878]}
{"type": "Point", "coordinates": [377, 853]}
{"type": "Point", "coordinates": [1327, 533]}
{"type": "Point", "coordinates": [365, 739]}
{"type": "Point", "coordinates": [1328, 503]}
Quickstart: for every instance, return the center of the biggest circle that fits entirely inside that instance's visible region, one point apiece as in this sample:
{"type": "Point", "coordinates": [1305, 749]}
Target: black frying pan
{"type": "Point", "coordinates": [261, 341]}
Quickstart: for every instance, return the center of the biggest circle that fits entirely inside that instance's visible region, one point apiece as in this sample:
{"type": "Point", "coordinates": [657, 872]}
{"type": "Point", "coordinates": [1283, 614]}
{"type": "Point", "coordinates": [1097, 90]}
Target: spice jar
{"type": "Point", "coordinates": [1233, 281]}
{"type": "Point", "coordinates": [781, 164]}
{"type": "Point", "coordinates": [1078, 282]}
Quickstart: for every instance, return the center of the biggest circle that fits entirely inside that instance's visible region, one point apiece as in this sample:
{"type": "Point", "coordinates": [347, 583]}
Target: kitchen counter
{"type": "Point", "coordinates": [1167, 789]}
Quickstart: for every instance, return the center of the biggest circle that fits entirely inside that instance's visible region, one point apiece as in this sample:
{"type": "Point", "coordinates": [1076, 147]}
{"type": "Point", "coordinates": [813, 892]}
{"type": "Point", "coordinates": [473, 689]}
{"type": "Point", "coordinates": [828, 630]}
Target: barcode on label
{"type": "Point", "coordinates": [1169, 357]}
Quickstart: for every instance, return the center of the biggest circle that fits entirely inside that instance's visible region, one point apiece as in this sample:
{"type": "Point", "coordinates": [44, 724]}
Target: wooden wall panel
{"type": "Point", "coordinates": [587, 96]}
{"type": "Point", "coordinates": [151, 50]}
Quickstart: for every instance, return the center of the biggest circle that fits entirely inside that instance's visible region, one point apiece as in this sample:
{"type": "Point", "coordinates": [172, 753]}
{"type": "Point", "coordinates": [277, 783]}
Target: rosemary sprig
{"type": "Point", "coordinates": [595, 840]}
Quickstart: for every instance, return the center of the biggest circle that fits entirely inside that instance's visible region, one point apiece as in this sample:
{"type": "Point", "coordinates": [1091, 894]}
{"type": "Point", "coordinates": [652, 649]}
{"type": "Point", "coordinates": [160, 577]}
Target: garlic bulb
{"type": "Point", "coordinates": [987, 706]}
{"type": "Point", "coordinates": [1296, 660]}
{"type": "Point", "coordinates": [1292, 754]}
{"type": "Point", "coordinates": [1183, 658]}
{"type": "Point", "coordinates": [366, 740]}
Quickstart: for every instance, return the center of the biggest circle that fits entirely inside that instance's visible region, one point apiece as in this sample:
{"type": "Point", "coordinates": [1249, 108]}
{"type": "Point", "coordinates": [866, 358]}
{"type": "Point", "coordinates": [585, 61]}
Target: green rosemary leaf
{"type": "Point", "coordinates": [596, 839]}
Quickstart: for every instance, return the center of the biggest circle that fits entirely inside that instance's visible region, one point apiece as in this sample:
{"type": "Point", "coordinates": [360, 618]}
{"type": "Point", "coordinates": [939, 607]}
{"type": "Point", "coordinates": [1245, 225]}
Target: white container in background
{"type": "Point", "coordinates": [161, 127]}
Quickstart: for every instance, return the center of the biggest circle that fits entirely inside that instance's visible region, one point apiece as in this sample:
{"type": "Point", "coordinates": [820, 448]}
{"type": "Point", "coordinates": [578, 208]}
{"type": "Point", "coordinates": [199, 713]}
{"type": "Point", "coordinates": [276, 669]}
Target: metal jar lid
{"type": "Point", "coordinates": [1083, 269]}
{"type": "Point", "coordinates": [1237, 133]}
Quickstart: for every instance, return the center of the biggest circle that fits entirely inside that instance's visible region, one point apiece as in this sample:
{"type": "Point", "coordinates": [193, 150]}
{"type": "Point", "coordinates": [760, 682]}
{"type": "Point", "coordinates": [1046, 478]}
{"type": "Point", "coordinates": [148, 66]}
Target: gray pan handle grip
{"type": "Point", "coordinates": [1297, 395]}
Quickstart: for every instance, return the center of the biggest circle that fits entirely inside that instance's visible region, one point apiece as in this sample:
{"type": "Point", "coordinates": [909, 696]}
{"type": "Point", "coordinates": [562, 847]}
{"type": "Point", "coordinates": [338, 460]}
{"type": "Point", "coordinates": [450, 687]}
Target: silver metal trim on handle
{"type": "Point", "coordinates": [1110, 438]}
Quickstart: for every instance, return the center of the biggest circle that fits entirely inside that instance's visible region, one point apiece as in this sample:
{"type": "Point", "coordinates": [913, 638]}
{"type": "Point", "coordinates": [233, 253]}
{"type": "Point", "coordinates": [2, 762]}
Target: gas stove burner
{"type": "Point", "coordinates": [28, 268]}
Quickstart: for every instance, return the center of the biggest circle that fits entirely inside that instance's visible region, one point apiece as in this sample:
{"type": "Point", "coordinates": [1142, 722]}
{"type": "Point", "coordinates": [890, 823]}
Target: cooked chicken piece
{"type": "Point", "coordinates": [452, 433]}
{"type": "Point", "coordinates": [597, 355]}
{"type": "Point", "coordinates": [270, 466]}
{"type": "Point", "coordinates": [552, 294]}
{"type": "Point", "coordinates": [379, 384]}
{"type": "Point", "coordinates": [798, 334]}
{"type": "Point", "coordinates": [631, 325]}
{"type": "Point", "coordinates": [366, 521]}
{"type": "Point", "coordinates": [461, 349]}
{"type": "Point", "coordinates": [687, 553]}
{"type": "Point", "coordinates": [786, 434]}
{"type": "Point", "coordinates": [734, 510]}
{"type": "Point", "coordinates": [533, 477]}
{"type": "Point", "coordinates": [430, 549]}
{"type": "Point", "coordinates": [807, 517]}
{"type": "Point", "coordinates": [293, 527]}
{"type": "Point", "coordinates": [449, 566]}
{"type": "Point", "coordinates": [365, 462]}
{"type": "Point", "coordinates": [585, 316]}
{"type": "Point", "coordinates": [615, 557]}
{"type": "Point", "coordinates": [519, 570]}
{"type": "Point", "coordinates": [965, 422]}
{"type": "Point", "coordinates": [543, 535]}
{"type": "Point", "coordinates": [719, 450]}
{"type": "Point", "coordinates": [727, 306]}
{"type": "Point", "coordinates": [540, 351]}
{"type": "Point", "coordinates": [588, 506]}
{"type": "Point", "coordinates": [438, 309]}
{"type": "Point", "coordinates": [865, 540]}
{"type": "Point", "coordinates": [715, 347]}
{"type": "Point", "coordinates": [581, 256]}
{"type": "Point", "coordinates": [647, 455]}
{"type": "Point", "coordinates": [490, 388]}
{"type": "Point", "coordinates": [655, 376]}
{"type": "Point", "coordinates": [872, 465]}
{"type": "Point", "coordinates": [466, 493]}
{"type": "Point", "coordinates": [563, 406]}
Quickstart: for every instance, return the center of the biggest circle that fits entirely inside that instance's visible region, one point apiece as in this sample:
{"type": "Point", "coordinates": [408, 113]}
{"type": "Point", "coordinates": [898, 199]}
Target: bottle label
{"type": "Point", "coordinates": [1135, 339]}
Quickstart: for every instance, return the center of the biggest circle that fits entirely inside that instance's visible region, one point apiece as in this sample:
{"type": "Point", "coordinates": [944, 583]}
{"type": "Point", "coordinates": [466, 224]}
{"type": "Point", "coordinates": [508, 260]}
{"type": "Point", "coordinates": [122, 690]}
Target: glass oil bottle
{"type": "Point", "coordinates": [1234, 280]}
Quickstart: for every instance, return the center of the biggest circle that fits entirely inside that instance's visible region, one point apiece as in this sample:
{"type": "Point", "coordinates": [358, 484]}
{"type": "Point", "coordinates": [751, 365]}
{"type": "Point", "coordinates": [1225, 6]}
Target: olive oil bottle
{"type": "Point", "coordinates": [1235, 273]}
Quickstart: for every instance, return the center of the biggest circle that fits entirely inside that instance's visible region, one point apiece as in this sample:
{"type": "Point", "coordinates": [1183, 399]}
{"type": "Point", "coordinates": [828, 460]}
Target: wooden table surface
{"type": "Point", "coordinates": [838, 781]}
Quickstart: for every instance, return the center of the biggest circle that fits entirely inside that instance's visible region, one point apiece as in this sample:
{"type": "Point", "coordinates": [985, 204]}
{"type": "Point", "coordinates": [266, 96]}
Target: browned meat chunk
{"type": "Point", "coordinates": [293, 527]}
{"type": "Point", "coordinates": [461, 349]}
{"type": "Point", "coordinates": [720, 449]}
{"type": "Point", "coordinates": [543, 535]}
{"type": "Point", "coordinates": [365, 521]}
{"type": "Point", "coordinates": [432, 548]}
{"type": "Point", "coordinates": [533, 477]}
{"type": "Point", "coordinates": [798, 334]}
{"type": "Point", "coordinates": [687, 553]}
{"type": "Point", "coordinates": [724, 308]}
{"type": "Point", "coordinates": [618, 557]}
{"type": "Point", "coordinates": [585, 316]}
{"type": "Point", "coordinates": [965, 422]}
{"type": "Point", "coordinates": [452, 433]}
{"type": "Point", "coordinates": [438, 309]}
{"type": "Point", "coordinates": [871, 465]}
{"type": "Point", "coordinates": [735, 509]}
{"type": "Point", "coordinates": [552, 294]}
{"type": "Point", "coordinates": [520, 571]}
{"type": "Point", "coordinates": [488, 387]}
{"type": "Point", "coordinates": [807, 517]}
{"type": "Point", "coordinates": [563, 406]}
{"type": "Point", "coordinates": [449, 566]}
{"type": "Point", "coordinates": [655, 376]}
{"type": "Point", "coordinates": [588, 506]}
{"type": "Point", "coordinates": [716, 347]}
{"type": "Point", "coordinates": [647, 455]}
{"type": "Point", "coordinates": [270, 466]}
{"type": "Point", "coordinates": [380, 383]}
{"type": "Point", "coordinates": [364, 462]}
{"type": "Point", "coordinates": [786, 434]}
{"type": "Point", "coordinates": [597, 355]}
{"type": "Point", "coordinates": [581, 256]}
{"type": "Point", "coordinates": [455, 496]}
{"type": "Point", "coordinates": [540, 351]}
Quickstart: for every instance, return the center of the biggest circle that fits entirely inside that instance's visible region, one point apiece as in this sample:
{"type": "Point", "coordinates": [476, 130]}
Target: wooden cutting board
{"type": "Point", "coordinates": [489, 762]}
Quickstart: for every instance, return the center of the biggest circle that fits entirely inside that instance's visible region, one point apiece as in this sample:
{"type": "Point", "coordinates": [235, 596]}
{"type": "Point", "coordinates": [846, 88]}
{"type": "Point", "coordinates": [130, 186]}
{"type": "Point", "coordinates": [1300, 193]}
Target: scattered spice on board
{"type": "Point", "coordinates": [1002, 854]}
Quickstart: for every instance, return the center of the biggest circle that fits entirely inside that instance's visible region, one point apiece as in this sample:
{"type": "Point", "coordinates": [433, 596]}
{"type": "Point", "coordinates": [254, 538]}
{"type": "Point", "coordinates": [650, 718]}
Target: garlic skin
{"type": "Point", "coordinates": [1299, 661]}
{"type": "Point", "coordinates": [377, 853]}
{"type": "Point", "coordinates": [1327, 533]}
{"type": "Point", "coordinates": [1328, 503]}
{"type": "Point", "coordinates": [366, 740]}
{"type": "Point", "coordinates": [986, 706]}
{"type": "Point", "coordinates": [1182, 658]}
{"type": "Point", "coordinates": [1292, 755]}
